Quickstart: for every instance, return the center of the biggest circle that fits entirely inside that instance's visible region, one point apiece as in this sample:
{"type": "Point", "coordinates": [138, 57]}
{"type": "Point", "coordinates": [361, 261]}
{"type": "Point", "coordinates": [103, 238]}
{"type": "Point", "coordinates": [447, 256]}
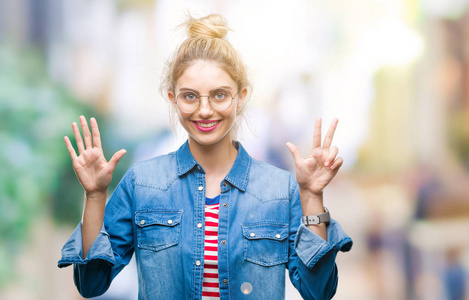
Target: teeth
{"type": "Point", "coordinates": [206, 125]}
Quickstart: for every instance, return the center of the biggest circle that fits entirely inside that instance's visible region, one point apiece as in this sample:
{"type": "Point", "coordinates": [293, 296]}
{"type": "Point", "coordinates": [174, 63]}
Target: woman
{"type": "Point", "coordinates": [207, 221]}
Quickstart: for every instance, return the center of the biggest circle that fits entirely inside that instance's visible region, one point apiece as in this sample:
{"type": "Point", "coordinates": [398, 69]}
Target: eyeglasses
{"type": "Point", "coordinates": [219, 99]}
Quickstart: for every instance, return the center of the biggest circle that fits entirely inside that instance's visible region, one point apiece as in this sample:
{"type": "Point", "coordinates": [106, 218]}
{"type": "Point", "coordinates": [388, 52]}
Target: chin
{"type": "Point", "coordinates": [207, 140]}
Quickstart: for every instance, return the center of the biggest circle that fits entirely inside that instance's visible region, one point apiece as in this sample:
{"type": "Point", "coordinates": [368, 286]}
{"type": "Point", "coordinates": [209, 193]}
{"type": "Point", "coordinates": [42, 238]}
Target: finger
{"type": "Point", "coordinates": [116, 157]}
{"type": "Point", "coordinates": [95, 132]}
{"type": "Point", "coordinates": [332, 154]}
{"type": "Point", "coordinates": [295, 152]}
{"type": "Point", "coordinates": [317, 134]}
{"type": "Point", "coordinates": [330, 134]}
{"type": "Point", "coordinates": [78, 138]}
{"type": "Point", "coordinates": [86, 132]}
{"type": "Point", "coordinates": [337, 164]}
{"type": "Point", "coordinates": [71, 151]}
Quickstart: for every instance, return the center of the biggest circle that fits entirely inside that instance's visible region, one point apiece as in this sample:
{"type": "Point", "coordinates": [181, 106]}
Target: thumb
{"type": "Point", "coordinates": [294, 152]}
{"type": "Point", "coordinates": [116, 157]}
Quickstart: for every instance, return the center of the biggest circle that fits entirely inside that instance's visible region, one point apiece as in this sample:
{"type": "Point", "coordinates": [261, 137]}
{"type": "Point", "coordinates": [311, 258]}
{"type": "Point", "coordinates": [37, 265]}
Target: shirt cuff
{"type": "Point", "coordinates": [311, 248]}
{"type": "Point", "coordinates": [100, 249]}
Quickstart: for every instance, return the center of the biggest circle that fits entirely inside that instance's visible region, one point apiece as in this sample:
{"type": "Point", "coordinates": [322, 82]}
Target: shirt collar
{"type": "Point", "coordinates": [238, 175]}
{"type": "Point", "coordinates": [185, 160]}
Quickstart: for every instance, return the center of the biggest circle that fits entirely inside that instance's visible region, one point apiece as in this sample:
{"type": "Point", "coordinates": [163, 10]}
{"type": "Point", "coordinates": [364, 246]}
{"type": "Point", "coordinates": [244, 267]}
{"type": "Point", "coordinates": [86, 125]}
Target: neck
{"type": "Point", "coordinates": [215, 159]}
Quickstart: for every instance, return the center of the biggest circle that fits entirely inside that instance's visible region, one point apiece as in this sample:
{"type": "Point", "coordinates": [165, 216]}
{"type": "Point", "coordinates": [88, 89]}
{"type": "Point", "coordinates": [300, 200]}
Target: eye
{"type": "Point", "coordinates": [220, 95]}
{"type": "Point", "coordinates": [189, 96]}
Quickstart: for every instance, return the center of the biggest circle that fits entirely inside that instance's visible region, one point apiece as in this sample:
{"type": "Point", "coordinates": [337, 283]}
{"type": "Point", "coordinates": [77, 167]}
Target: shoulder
{"type": "Point", "coordinates": [158, 172]}
{"type": "Point", "coordinates": [266, 180]}
{"type": "Point", "coordinates": [157, 162]}
{"type": "Point", "coordinates": [260, 168]}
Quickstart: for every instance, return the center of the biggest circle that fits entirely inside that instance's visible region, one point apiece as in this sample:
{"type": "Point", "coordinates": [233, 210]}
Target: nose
{"type": "Point", "coordinates": [205, 109]}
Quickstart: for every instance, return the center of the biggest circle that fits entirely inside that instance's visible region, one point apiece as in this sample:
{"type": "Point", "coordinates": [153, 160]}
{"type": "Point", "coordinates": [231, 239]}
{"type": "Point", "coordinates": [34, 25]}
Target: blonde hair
{"type": "Point", "coordinates": [206, 41]}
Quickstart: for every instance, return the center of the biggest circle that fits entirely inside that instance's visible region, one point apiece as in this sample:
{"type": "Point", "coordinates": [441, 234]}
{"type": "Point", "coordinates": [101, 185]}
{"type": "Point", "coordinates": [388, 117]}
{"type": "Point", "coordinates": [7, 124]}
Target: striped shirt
{"type": "Point", "coordinates": [210, 285]}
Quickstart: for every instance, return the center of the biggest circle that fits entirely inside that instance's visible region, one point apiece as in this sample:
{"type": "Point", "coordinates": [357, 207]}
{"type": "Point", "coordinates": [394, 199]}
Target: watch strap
{"type": "Point", "coordinates": [317, 219]}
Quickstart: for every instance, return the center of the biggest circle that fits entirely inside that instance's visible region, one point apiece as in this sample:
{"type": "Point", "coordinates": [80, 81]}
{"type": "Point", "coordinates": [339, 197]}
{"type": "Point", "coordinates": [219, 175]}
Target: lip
{"type": "Point", "coordinates": [206, 129]}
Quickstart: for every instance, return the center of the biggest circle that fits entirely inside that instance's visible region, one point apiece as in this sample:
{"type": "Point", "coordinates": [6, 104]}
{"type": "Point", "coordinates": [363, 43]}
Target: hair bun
{"type": "Point", "coordinates": [212, 26]}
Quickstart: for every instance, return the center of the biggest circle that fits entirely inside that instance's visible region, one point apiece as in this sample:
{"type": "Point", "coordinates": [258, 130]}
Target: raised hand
{"type": "Point", "coordinates": [91, 167]}
{"type": "Point", "coordinates": [316, 171]}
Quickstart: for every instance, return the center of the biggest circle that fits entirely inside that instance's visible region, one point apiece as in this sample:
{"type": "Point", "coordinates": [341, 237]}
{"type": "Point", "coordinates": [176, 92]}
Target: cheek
{"type": "Point", "coordinates": [182, 118]}
{"type": "Point", "coordinates": [232, 114]}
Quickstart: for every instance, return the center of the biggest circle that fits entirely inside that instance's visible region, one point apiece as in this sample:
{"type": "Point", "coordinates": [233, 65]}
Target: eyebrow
{"type": "Point", "coordinates": [217, 88]}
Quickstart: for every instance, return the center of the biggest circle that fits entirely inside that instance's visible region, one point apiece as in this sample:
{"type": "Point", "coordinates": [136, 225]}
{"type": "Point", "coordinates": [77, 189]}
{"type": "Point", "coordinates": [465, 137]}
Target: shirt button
{"type": "Point", "coordinates": [142, 222]}
{"type": "Point", "coordinates": [225, 281]}
{"type": "Point", "coordinates": [198, 167]}
{"type": "Point", "coordinates": [170, 222]}
{"type": "Point", "coordinates": [252, 234]}
{"type": "Point", "coordinates": [224, 183]}
{"type": "Point", "coordinates": [225, 204]}
{"type": "Point", "coordinates": [197, 263]}
{"type": "Point", "coordinates": [277, 235]}
{"type": "Point", "coordinates": [199, 225]}
{"type": "Point", "coordinates": [201, 188]}
{"type": "Point", "coordinates": [223, 242]}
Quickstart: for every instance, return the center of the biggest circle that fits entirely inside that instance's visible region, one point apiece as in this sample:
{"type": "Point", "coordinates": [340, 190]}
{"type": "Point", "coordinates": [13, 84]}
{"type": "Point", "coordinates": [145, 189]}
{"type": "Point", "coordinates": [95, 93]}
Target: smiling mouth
{"type": "Point", "coordinates": [207, 125]}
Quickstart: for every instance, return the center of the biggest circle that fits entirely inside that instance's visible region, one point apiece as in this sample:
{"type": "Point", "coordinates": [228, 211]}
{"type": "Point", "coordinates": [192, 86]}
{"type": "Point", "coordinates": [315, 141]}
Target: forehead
{"type": "Point", "coordinates": [204, 76]}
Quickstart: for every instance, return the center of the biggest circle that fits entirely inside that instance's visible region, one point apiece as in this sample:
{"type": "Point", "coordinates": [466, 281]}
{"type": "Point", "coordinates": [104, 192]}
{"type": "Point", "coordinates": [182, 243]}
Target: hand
{"type": "Point", "coordinates": [316, 171]}
{"type": "Point", "coordinates": [91, 168]}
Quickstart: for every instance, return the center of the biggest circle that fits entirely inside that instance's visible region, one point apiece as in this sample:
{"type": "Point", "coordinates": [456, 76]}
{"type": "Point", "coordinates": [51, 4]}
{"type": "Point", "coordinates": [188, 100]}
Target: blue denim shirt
{"type": "Point", "coordinates": [157, 211]}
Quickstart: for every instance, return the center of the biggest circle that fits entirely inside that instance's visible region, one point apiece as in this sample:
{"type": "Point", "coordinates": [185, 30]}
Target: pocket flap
{"type": "Point", "coordinates": [273, 231]}
{"type": "Point", "coordinates": [160, 217]}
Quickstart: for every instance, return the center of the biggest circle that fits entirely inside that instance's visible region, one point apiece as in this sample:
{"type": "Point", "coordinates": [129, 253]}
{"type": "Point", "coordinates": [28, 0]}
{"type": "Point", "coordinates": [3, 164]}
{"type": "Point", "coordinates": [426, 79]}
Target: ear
{"type": "Point", "coordinates": [171, 97]}
{"type": "Point", "coordinates": [241, 97]}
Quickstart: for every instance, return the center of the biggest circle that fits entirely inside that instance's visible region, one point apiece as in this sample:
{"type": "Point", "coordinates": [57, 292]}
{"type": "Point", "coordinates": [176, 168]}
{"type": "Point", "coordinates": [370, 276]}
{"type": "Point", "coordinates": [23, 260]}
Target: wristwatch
{"type": "Point", "coordinates": [317, 219]}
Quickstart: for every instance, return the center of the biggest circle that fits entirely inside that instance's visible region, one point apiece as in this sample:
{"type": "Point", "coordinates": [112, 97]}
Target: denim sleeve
{"type": "Point", "coordinates": [311, 261]}
{"type": "Point", "coordinates": [112, 249]}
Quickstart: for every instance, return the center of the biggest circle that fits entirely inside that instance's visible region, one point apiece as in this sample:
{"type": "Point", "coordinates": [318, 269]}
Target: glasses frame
{"type": "Point", "coordinates": [208, 99]}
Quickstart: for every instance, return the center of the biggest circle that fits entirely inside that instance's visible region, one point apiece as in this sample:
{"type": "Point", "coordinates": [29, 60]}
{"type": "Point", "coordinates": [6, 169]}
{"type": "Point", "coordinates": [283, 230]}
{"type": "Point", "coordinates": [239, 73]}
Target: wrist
{"type": "Point", "coordinates": [96, 195]}
{"type": "Point", "coordinates": [311, 203]}
{"type": "Point", "coordinates": [311, 194]}
{"type": "Point", "coordinates": [93, 208]}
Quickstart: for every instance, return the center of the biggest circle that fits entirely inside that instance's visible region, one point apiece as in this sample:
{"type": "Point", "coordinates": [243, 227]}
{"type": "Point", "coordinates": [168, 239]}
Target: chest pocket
{"type": "Point", "coordinates": [158, 229]}
{"type": "Point", "coordinates": [266, 244]}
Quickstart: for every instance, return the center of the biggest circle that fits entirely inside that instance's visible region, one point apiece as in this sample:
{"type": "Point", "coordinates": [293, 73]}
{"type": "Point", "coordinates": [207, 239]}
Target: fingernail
{"type": "Point", "coordinates": [327, 164]}
{"type": "Point", "coordinates": [332, 167]}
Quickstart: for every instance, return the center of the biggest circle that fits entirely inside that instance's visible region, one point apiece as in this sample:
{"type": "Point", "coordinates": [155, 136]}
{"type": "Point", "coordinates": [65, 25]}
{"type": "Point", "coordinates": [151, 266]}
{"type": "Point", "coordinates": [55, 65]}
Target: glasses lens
{"type": "Point", "coordinates": [188, 102]}
{"type": "Point", "coordinates": [221, 99]}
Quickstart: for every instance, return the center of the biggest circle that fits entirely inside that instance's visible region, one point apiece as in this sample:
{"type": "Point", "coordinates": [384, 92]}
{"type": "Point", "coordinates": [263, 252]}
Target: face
{"type": "Point", "coordinates": [207, 126]}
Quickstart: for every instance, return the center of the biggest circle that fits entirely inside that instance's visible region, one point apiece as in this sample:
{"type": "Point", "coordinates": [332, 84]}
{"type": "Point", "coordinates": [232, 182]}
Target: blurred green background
{"type": "Point", "coordinates": [395, 73]}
